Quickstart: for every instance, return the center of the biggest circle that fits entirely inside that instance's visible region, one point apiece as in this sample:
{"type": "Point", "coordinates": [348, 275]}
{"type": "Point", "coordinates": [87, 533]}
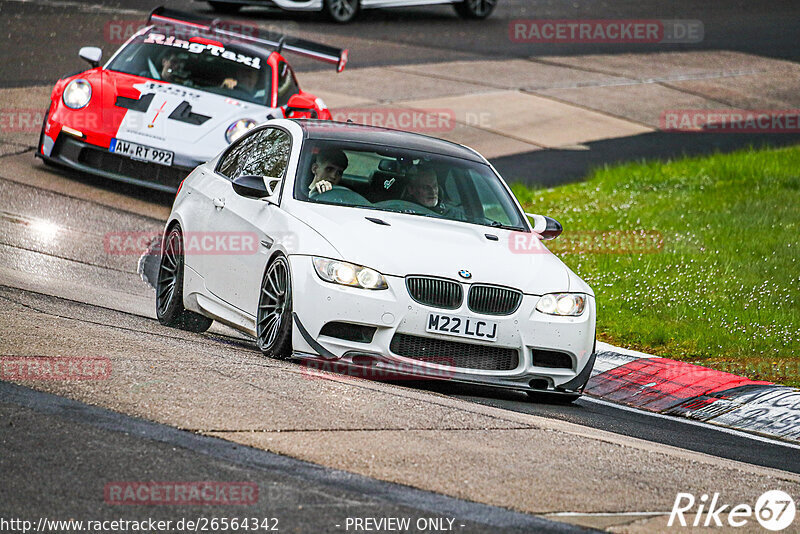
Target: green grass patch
{"type": "Point", "coordinates": [721, 288]}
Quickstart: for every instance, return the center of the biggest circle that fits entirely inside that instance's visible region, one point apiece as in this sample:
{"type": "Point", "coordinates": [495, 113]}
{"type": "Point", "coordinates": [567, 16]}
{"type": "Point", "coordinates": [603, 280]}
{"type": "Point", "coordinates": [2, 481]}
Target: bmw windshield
{"type": "Point", "coordinates": [196, 63]}
{"type": "Point", "coordinates": [405, 181]}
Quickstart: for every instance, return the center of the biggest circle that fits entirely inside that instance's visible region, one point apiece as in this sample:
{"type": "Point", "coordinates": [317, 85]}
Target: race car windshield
{"type": "Point", "coordinates": [210, 68]}
{"type": "Point", "coordinates": [403, 181]}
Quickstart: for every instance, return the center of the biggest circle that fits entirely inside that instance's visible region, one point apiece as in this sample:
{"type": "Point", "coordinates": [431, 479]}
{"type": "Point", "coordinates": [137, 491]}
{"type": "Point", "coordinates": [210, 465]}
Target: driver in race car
{"type": "Point", "coordinates": [327, 171]}
{"type": "Point", "coordinates": [423, 188]}
{"type": "Point", "coordinates": [173, 68]}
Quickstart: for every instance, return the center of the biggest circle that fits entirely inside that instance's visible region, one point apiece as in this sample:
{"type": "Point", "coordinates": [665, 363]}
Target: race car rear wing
{"type": "Point", "coordinates": [248, 34]}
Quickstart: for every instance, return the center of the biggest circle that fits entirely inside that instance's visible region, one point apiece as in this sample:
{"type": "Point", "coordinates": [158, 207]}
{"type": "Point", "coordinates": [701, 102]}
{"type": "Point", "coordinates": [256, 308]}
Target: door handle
{"type": "Point", "coordinates": [219, 203]}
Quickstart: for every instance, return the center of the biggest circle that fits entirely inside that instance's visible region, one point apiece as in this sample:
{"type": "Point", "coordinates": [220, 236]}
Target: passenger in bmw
{"type": "Point", "coordinates": [327, 170]}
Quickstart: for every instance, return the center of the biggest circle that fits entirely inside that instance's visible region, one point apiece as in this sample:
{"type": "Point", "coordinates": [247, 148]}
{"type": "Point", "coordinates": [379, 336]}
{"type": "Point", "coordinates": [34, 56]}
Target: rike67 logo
{"type": "Point", "coordinates": [774, 510]}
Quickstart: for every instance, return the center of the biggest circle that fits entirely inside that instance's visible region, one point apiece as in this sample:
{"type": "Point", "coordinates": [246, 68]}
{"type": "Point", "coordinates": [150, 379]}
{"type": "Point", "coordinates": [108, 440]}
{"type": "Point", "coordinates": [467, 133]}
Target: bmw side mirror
{"type": "Point", "coordinates": [250, 186]}
{"type": "Point", "coordinates": [545, 226]}
{"type": "Point", "coordinates": [92, 54]}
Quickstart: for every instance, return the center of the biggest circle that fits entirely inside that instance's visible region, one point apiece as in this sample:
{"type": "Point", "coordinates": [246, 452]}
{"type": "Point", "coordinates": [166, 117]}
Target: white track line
{"type": "Point", "coordinates": [738, 433]}
{"type": "Point", "coordinates": [605, 514]}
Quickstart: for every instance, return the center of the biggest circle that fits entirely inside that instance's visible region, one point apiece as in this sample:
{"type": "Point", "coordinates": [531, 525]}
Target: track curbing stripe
{"type": "Point", "coordinates": [675, 388]}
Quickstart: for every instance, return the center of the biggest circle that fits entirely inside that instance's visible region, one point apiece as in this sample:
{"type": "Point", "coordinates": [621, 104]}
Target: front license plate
{"type": "Point", "coordinates": [141, 152]}
{"type": "Point", "coordinates": [455, 325]}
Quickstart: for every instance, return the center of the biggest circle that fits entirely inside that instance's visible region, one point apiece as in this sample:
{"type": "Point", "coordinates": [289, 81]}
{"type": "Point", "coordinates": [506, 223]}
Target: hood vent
{"type": "Point", "coordinates": [184, 113]}
{"type": "Point", "coordinates": [136, 104]}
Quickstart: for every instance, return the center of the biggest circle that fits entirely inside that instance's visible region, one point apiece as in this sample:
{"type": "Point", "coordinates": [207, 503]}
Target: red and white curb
{"type": "Point", "coordinates": [676, 388]}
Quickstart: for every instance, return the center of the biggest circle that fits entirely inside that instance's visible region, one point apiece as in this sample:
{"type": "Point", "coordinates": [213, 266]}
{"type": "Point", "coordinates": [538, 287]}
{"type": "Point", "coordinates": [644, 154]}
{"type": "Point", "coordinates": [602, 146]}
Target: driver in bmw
{"type": "Point", "coordinates": [327, 171]}
{"type": "Point", "coordinates": [423, 188]}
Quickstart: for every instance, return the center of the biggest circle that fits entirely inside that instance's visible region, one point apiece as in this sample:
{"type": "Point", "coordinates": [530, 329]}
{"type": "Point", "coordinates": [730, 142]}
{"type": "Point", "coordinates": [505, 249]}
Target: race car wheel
{"type": "Point", "coordinates": [274, 317]}
{"type": "Point", "coordinates": [475, 9]}
{"type": "Point", "coordinates": [224, 7]}
{"type": "Point", "coordinates": [169, 290]}
{"type": "Point", "coordinates": [342, 10]}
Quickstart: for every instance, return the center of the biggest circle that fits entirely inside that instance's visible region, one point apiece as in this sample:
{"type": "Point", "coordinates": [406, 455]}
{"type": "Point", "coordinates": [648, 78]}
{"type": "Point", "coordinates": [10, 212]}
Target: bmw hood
{"type": "Point", "coordinates": [400, 244]}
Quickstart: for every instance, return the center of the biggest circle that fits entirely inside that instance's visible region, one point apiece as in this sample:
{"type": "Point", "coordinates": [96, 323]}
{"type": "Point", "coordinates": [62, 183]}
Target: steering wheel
{"type": "Point", "coordinates": [342, 195]}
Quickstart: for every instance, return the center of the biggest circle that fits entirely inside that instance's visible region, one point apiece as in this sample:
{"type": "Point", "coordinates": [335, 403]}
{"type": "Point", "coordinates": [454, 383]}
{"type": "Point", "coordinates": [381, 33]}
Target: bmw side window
{"type": "Point", "coordinates": [234, 160]}
{"type": "Point", "coordinates": [489, 194]}
{"type": "Point", "coordinates": [287, 84]}
{"type": "Point", "coordinates": [269, 154]}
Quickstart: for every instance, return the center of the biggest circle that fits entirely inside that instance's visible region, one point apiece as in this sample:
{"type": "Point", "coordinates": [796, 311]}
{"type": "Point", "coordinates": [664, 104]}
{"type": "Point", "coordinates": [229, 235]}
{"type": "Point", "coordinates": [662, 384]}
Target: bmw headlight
{"type": "Point", "coordinates": [562, 304]}
{"type": "Point", "coordinates": [348, 274]}
{"type": "Point", "coordinates": [238, 129]}
{"type": "Point", "coordinates": [77, 94]}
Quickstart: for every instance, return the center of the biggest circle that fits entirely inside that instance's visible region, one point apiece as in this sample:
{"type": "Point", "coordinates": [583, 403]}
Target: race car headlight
{"type": "Point", "coordinates": [77, 94]}
{"type": "Point", "coordinates": [562, 304]}
{"type": "Point", "coordinates": [347, 274]}
{"type": "Point", "coordinates": [238, 129]}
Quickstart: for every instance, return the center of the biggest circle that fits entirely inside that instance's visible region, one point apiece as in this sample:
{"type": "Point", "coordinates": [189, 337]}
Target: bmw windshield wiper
{"type": "Point", "coordinates": [496, 224]}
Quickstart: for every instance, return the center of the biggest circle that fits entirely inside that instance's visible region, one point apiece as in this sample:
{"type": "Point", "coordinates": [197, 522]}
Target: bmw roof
{"type": "Point", "coordinates": [359, 133]}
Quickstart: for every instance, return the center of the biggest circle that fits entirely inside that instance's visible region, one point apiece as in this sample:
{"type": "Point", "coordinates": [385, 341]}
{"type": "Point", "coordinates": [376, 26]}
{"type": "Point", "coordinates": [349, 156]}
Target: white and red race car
{"type": "Point", "coordinates": [173, 96]}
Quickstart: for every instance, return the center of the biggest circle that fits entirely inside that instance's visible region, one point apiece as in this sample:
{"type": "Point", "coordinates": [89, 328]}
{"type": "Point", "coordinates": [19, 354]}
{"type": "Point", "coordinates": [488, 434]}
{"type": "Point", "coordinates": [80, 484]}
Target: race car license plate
{"type": "Point", "coordinates": [455, 325]}
{"type": "Point", "coordinates": [141, 152]}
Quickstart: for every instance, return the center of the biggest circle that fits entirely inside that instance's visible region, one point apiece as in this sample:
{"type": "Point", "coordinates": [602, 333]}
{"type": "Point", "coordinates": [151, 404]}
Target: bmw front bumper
{"type": "Point", "coordinates": [392, 312]}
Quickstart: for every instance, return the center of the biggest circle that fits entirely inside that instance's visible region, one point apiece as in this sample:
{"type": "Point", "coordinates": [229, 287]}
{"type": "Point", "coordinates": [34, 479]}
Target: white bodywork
{"type": "Point", "coordinates": [226, 287]}
{"type": "Point", "coordinates": [191, 143]}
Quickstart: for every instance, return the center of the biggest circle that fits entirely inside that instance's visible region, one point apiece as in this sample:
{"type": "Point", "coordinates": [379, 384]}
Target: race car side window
{"type": "Point", "coordinates": [287, 84]}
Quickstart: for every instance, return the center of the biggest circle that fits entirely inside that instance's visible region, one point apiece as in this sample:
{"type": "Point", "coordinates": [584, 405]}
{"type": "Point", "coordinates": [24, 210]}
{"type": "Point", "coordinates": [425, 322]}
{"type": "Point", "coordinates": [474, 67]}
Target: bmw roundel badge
{"type": "Point", "coordinates": [463, 273]}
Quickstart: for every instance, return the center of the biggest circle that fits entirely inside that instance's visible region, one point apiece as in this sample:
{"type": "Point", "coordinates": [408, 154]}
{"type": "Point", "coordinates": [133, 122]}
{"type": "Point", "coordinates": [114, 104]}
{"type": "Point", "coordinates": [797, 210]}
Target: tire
{"type": "Point", "coordinates": [169, 289]}
{"type": "Point", "coordinates": [342, 11]}
{"type": "Point", "coordinates": [475, 9]}
{"type": "Point", "coordinates": [274, 314]}
{"type": "Point", "coordinates": [225, 7]}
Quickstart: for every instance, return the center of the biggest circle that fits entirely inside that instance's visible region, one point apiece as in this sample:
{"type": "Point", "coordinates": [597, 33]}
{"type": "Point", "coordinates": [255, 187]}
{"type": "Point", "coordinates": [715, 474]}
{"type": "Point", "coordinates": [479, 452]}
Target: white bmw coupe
{"type": "Point", "coordinates": [388, 252]}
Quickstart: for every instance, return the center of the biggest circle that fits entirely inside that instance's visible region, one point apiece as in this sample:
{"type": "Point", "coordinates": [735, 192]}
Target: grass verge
{"type": "Point", "coordinates": [696, 259]}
